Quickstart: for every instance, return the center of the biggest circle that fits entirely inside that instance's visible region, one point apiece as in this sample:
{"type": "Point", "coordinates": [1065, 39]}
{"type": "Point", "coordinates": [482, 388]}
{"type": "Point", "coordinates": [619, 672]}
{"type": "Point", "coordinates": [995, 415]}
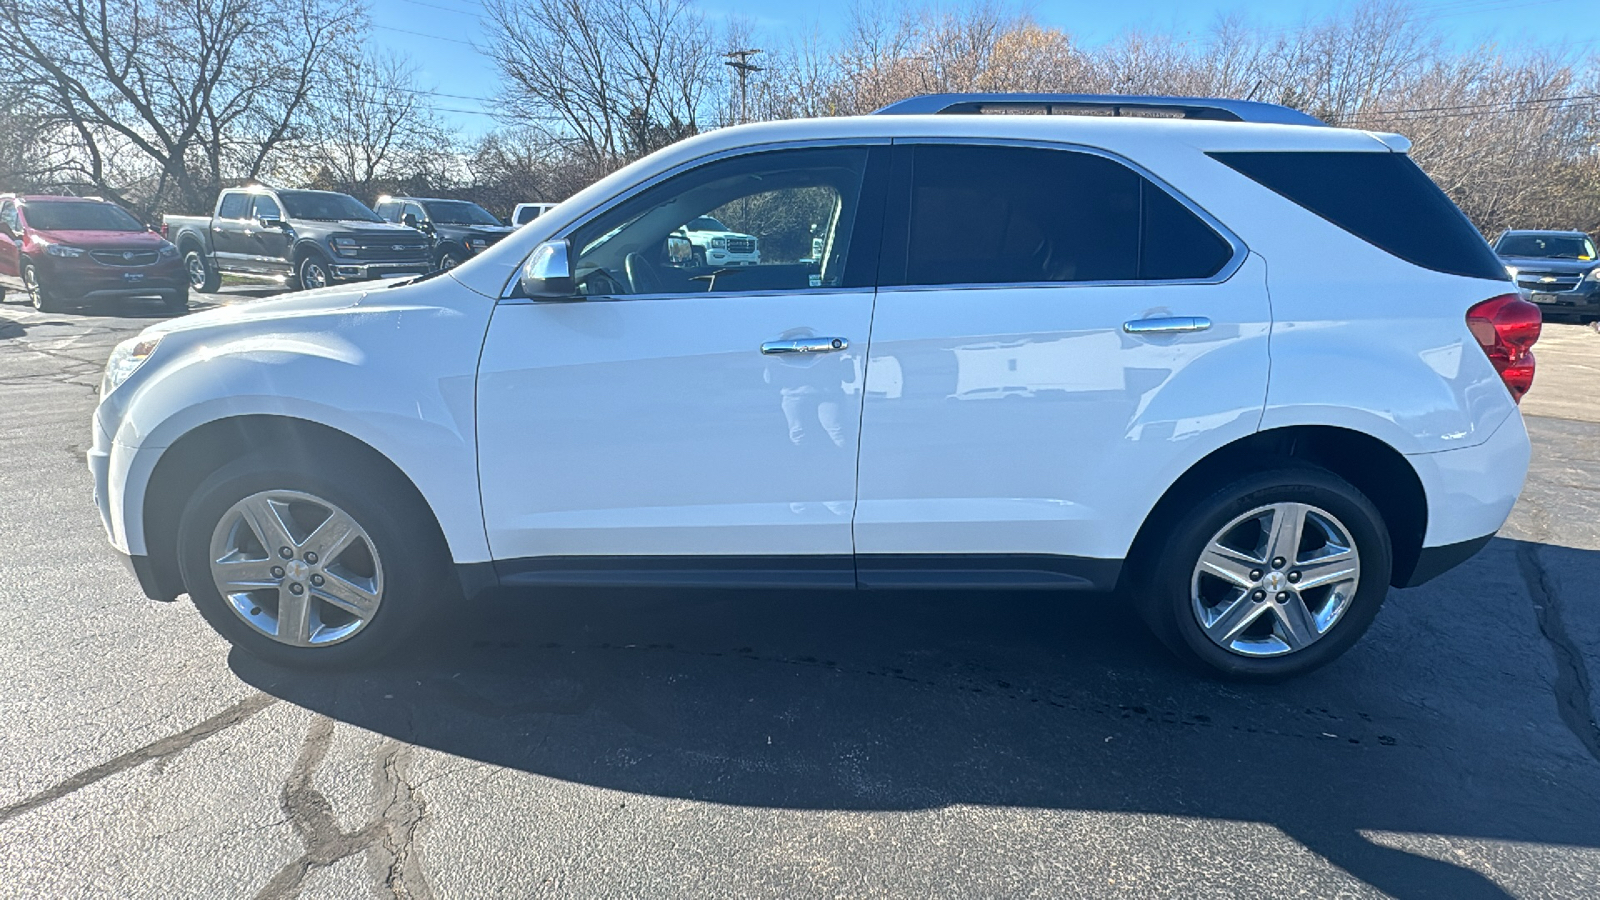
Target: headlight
{"type": "Point", "coordinates": [478, 243]}
{"type": "Point", "coordinates": [719, 243]}
{"type": "Point", "coordinates": [125, 360]}
{"type": "Point", "coordinates": [168, 251]}
{"type": "Point", "coordinates": [345, 246]}
{"type": "Point", "coordinates": [1594, 275]}
{"type": "Point", "coordinates": [1512, 271]}
{"type": "Point", "coordinates": [63, 251]}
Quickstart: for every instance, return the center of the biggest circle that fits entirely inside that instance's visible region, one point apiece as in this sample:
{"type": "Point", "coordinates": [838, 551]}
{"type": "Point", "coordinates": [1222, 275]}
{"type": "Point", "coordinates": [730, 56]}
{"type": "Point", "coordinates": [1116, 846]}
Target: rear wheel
{"type": "Point", "coordinates": [310, 569]}
{"type": "Point", "coordinates": [1271, 576]}
{"type": "Point", "coordinates": [203, 276]}
{"type": "Point", "coordinates": [44, 299]}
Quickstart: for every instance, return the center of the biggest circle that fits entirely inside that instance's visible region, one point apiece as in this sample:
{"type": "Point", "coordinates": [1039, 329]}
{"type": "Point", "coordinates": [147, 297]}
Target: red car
{"type": "Point", "coordinates": [61, 249]}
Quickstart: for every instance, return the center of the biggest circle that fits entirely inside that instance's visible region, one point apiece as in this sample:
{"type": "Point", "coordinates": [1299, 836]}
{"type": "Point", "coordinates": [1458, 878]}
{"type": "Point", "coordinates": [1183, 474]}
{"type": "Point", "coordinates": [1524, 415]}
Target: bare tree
{"type": "Point", "coordinates": [182, 92]}
{"type": "Point", "coordinates": [611, 79]}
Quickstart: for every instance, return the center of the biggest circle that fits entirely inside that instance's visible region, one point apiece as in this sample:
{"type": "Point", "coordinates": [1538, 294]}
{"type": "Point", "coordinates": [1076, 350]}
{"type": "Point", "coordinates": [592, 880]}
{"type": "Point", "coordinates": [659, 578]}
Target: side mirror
{"type": "Point", "coordinates": [679, 251]}
{"type": "Point", "coordinates": [270, 222]}
{"type": "Point", "coordinates": [548, 274]}
{"type": "Point", "coordinates": [409, 220]}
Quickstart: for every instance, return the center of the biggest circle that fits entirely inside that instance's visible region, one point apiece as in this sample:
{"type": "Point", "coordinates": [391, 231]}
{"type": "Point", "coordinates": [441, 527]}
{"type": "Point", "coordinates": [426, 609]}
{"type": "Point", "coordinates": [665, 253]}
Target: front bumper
{"type": "Point", "coordinates": [85, 279]}
{"type": "Point", "coordinates": [1584, 298]}
{"type": "Point", "coordinates": [359, 271]}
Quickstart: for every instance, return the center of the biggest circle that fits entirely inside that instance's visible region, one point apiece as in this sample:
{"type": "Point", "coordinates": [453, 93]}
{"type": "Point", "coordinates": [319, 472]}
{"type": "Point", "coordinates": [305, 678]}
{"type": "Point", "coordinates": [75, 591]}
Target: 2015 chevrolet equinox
{"type": "Point", "coordinates": [1251, 369]}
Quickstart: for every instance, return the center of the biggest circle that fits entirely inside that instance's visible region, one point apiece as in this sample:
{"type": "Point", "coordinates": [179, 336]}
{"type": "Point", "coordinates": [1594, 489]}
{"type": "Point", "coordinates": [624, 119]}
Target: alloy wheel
{"type": "Point", "coordinates": [296, 568]}
{"type": "Point", "coordinates": [1275, 580]}
{"type": "Point", "coordinates": [196, 267]}
{"type": "Point", "coordinates": [312, 275]}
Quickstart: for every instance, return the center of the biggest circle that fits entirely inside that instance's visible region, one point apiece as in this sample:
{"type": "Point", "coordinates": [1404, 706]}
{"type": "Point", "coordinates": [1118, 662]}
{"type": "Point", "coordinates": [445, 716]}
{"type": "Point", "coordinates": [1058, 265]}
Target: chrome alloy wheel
{"type": "Point", "coordinates": [296, 568]}
{"type": "Point", "coordinates": [1275, 580]}
{"type": "Point", "coordinates": [195, 266]}
{"type": "Point", "coordinates": [312, 275]}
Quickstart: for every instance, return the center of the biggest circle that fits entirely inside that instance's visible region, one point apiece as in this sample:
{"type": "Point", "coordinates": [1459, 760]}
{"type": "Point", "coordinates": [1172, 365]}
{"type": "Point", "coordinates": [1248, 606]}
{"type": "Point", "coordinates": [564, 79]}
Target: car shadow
{"type": "Point", "coordinates": [894, 701]}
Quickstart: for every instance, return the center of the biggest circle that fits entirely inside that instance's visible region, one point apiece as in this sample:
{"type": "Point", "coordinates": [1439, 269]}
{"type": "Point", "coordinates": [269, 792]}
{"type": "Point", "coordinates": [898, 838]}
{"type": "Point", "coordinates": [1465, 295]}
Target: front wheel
{"type": "Point", "coordinates": [44, 299]}
{"type": "Point", "coordinates": [313, 272]}
{"type": "Point", "coordinates": [1271, 576]}
{"type": "Point", "coordinates": [310, 569]}
{"type": "Point", "coordinates": [449, 260]}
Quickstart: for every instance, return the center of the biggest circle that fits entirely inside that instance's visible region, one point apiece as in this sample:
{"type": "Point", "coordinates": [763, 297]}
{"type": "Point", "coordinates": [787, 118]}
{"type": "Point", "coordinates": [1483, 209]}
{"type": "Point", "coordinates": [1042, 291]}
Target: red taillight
{"type": "Point", "coordinates": [163, 230]}
{"type": "Point", "coordinates": [1506, 328]}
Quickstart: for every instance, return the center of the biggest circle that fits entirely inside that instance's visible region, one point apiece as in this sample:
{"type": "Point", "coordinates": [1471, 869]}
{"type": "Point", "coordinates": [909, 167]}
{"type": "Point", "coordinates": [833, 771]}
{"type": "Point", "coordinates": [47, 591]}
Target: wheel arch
{"type": "Point", "coordinates": [203, 450]}
{"type": "Point", "coordinates": [1372, 466]}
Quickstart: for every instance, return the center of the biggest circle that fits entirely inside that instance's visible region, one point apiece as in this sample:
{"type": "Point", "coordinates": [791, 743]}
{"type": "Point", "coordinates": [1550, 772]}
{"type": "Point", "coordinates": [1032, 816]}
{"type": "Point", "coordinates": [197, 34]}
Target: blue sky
{"type": "Point", "coordinates": [438, 34]}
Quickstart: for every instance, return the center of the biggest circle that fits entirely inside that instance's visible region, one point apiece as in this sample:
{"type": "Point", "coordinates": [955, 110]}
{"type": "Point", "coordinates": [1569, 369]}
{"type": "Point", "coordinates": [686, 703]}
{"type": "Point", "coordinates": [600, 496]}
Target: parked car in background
{"type": "Point", "coordinates": [527, 212]}
{"type": "Point", "coordinates": [458, 228]}
{"type": "Point", "coordinates": [1250, 375]}
{"type": "Point", "coordinates": [715, 244]}
{"type": "Point", "coordinates": [307, 239]}
{"type": "Point", "coordinates": [1559, 270]}
{"type": "Point", "coordinates": [58, 250]}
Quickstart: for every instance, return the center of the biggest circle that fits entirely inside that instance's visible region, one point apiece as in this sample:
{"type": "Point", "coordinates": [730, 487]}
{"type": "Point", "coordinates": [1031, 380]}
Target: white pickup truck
{"type": "Point", "coordinates": [713, 243]}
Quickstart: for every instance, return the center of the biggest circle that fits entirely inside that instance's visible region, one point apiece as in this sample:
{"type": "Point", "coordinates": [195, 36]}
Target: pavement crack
{"type": "Point", "coordinates": [1573, 689]}
{"type": "Point", "coordinates": [389, 838]}
{"type": "Point", "coordinates": [158, 750]}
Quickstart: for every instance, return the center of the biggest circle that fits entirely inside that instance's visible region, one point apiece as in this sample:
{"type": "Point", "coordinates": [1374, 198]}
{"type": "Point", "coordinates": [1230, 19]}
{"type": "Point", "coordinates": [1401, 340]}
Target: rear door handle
{"type": "Point", "coordinates": [805, 345]}
{"type": "Point", "coordinates": [1167, 325]}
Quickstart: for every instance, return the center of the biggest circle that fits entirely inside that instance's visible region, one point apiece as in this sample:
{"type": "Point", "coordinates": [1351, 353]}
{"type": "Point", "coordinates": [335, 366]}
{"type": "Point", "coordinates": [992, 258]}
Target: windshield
{"type": "Point", "coordinates": [706, 223]}
{"type": "Point", "coordinates": [1547, 246]}
{"type": "Point", "coordinates": [458, 212]}
{"type": "Point", "coordinates": [47, 216]}
{"type": "Point", "coordinates": [322, 207]}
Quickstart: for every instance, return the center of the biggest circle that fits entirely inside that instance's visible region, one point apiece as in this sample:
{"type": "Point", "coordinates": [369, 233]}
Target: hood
{"type": "Point", "coordinates": [119, 239]}
{"type": "Point", "coordinates": [358, 225]}
{"type": "Point", "coordinates": [1547, 264]}
{"type": "Point", "coordinates": [283, 306]}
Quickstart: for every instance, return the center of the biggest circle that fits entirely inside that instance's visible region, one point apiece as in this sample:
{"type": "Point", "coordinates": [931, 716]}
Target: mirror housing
{"type": "Point", "coordinates": [547, 275]}
{"type": "Point", "coordinates": [271, 222]}
{"type": "Point", "coordinates": [409, 220]}
{"type": "Point", "coordinates": [679, 251]}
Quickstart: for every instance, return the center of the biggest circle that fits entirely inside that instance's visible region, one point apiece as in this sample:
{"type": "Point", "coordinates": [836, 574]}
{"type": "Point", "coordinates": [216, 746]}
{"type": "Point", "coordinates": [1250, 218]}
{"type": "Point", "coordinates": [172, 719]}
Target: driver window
{"type": "Point", "coordinates": [267, 208]}
{"type": "Point", "coordinates": [773, 221]}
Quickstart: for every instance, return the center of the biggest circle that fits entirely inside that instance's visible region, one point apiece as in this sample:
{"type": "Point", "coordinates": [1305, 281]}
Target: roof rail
{"type": "Point", "coordinates": [1212, 109]}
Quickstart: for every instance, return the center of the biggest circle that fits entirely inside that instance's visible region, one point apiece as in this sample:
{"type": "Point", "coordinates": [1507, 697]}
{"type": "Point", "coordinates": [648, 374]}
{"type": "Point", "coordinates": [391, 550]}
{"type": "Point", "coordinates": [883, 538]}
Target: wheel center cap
{"type": "Point", "coordinates": [1275, 581]}
{"type": "Point", "coordinates": [297, 570]}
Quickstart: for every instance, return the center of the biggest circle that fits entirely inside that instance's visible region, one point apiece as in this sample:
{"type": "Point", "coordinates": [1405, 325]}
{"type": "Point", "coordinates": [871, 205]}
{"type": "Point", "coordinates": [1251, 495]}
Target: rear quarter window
{"type": "Point", "coordinates": [1383, 198]}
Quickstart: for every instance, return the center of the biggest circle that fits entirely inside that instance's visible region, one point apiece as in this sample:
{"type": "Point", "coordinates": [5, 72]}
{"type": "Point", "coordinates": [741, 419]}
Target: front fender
{"type": "Point", "coordinates": [399, 378]}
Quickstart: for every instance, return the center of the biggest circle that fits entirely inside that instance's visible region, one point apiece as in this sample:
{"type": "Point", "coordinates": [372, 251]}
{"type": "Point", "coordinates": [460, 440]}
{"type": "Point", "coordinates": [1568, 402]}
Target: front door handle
{"type": "Point", "coordinates": [805, 345]}
{"type": "Point", "coordinates": [1167, 325]}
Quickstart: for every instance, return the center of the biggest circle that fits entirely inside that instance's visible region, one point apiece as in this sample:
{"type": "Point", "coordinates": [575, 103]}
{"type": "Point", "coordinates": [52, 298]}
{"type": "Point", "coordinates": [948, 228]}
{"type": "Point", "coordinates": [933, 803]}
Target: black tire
{"type": "Point", "coordinates": [1166, 575]}
{"type": "Point", "coordinates": [416, 578]}
{"type": "Point", "coordinates": [450, 259]}
{"type": "Point", "coordinates": [203, 275]}
{"type": "Point", "coordinates": [39, 293]}
{"type": "Point", "coordinates": [312, 270]}
{"type": "Point", "coordinates": [176, 302]}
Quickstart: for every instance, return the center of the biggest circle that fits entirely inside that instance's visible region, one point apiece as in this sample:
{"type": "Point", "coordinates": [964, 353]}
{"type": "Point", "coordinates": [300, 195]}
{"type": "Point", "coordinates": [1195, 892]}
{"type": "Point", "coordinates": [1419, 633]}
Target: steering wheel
{"type": "Point", "coordinates": [642, 275]}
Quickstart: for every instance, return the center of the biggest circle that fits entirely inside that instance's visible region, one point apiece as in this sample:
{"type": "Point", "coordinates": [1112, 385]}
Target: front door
{"type": "Point", "coordinates": [269, 246]}
{"type": "Point", "coordinates": [685, 423]}
{"type": "Point", "coordinates": [1057, 338]}
{"type": "Point", "coordinates": [10, 246]}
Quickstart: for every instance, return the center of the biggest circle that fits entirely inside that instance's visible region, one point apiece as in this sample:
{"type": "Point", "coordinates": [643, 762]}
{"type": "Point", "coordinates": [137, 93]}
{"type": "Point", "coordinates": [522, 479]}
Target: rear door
{"type": "Point", "coordinates": [1057, 336]}
{"type": "Point", "coordinates": [686, 424]}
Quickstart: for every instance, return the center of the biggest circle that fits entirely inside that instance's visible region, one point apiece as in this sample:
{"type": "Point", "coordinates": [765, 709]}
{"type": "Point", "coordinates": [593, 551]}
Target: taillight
{"type": "Point", "coordinates": [163, 230]}
{"type": "Point", "coordinates": [1506, 328]}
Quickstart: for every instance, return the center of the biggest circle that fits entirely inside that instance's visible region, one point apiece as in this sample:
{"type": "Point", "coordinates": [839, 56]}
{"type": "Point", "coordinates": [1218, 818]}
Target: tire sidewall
{"type": "Point", "coordinates": [210, 280]}
{"type": "Point", "coordinates": [40, 296]}
{"type": "Point", "coordinates": [1165, 598]}
{"type": "Point", "coordinates": [412, 569]}
{"type": "Point", "coordinates": [313, 259]}
{"type": "Point", "coordinates": [447, 256]}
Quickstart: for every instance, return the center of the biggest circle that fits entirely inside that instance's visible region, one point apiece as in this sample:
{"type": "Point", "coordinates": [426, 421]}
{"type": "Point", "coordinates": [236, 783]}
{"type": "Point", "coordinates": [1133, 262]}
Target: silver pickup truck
{"type": "Point", "coordinates": [306, 239]}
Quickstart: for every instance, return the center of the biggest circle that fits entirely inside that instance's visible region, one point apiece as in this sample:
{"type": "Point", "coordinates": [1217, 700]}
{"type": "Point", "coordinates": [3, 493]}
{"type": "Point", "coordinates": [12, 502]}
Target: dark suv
{"type": "Point", "coordinates": [59, 249]}
{"type": "Point", "coordinates": [459, 228]}
{"type": "Point", "coordinates": [1558, 269]}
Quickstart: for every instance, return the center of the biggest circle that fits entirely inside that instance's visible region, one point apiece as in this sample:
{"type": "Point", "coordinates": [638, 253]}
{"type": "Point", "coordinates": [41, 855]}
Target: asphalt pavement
{"type": "Point", "coordinates": [734, 744]}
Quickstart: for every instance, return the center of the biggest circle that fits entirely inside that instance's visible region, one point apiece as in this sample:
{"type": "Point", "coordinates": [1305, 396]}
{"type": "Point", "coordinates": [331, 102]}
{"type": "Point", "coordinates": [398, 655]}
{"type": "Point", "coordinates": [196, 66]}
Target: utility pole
{"type": "Point", "coordinates": [739, 61]}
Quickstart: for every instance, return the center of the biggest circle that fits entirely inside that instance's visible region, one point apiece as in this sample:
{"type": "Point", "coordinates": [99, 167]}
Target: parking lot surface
{"type": "Point", "coordinates": [712, 744]}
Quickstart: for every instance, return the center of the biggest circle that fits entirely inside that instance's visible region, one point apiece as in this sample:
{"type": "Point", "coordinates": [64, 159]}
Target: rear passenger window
{"type": "Point", "coordinates": [1382, 198]}
{"type": "Point", "coordinates": [234, 206]}
{"type": "Point", "coordinates": [1018, 215]}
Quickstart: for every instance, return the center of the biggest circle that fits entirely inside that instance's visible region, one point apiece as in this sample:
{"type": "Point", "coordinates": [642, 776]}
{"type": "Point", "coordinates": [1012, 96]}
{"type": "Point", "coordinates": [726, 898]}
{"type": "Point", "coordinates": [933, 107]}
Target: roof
{"type": "Point", "coordinates": [1214, 109]}
{"type": "Point", "coordinates": [32, 198]}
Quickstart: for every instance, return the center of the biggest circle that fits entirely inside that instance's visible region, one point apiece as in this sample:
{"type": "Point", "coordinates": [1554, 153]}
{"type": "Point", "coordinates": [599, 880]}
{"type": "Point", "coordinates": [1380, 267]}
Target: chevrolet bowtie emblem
{"type": "Point", "coordinates": [1548, 279]}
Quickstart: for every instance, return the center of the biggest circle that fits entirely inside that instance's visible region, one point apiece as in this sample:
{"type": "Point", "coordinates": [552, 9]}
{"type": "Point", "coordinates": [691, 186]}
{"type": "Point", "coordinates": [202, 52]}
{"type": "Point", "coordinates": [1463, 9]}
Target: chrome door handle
{"type": "Point", "coordinates": [1167, 325]}
{"type": "Point", "coordinates": [805, 345]}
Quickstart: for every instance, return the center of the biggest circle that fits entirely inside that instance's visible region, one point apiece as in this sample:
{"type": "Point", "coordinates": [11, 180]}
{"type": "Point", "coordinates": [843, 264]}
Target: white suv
{"type": "Point", "coordinates": [715, 244]}
{"type": "Point", "coordinates": [1250, 370]}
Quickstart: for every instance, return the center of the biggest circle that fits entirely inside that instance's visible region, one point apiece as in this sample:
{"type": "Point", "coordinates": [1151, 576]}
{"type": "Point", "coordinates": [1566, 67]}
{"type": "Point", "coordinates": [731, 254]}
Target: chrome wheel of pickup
{"type": "Point", "coordinates": [1275, 580]}
{"type": "Point", "coordinates": [296, 568]}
